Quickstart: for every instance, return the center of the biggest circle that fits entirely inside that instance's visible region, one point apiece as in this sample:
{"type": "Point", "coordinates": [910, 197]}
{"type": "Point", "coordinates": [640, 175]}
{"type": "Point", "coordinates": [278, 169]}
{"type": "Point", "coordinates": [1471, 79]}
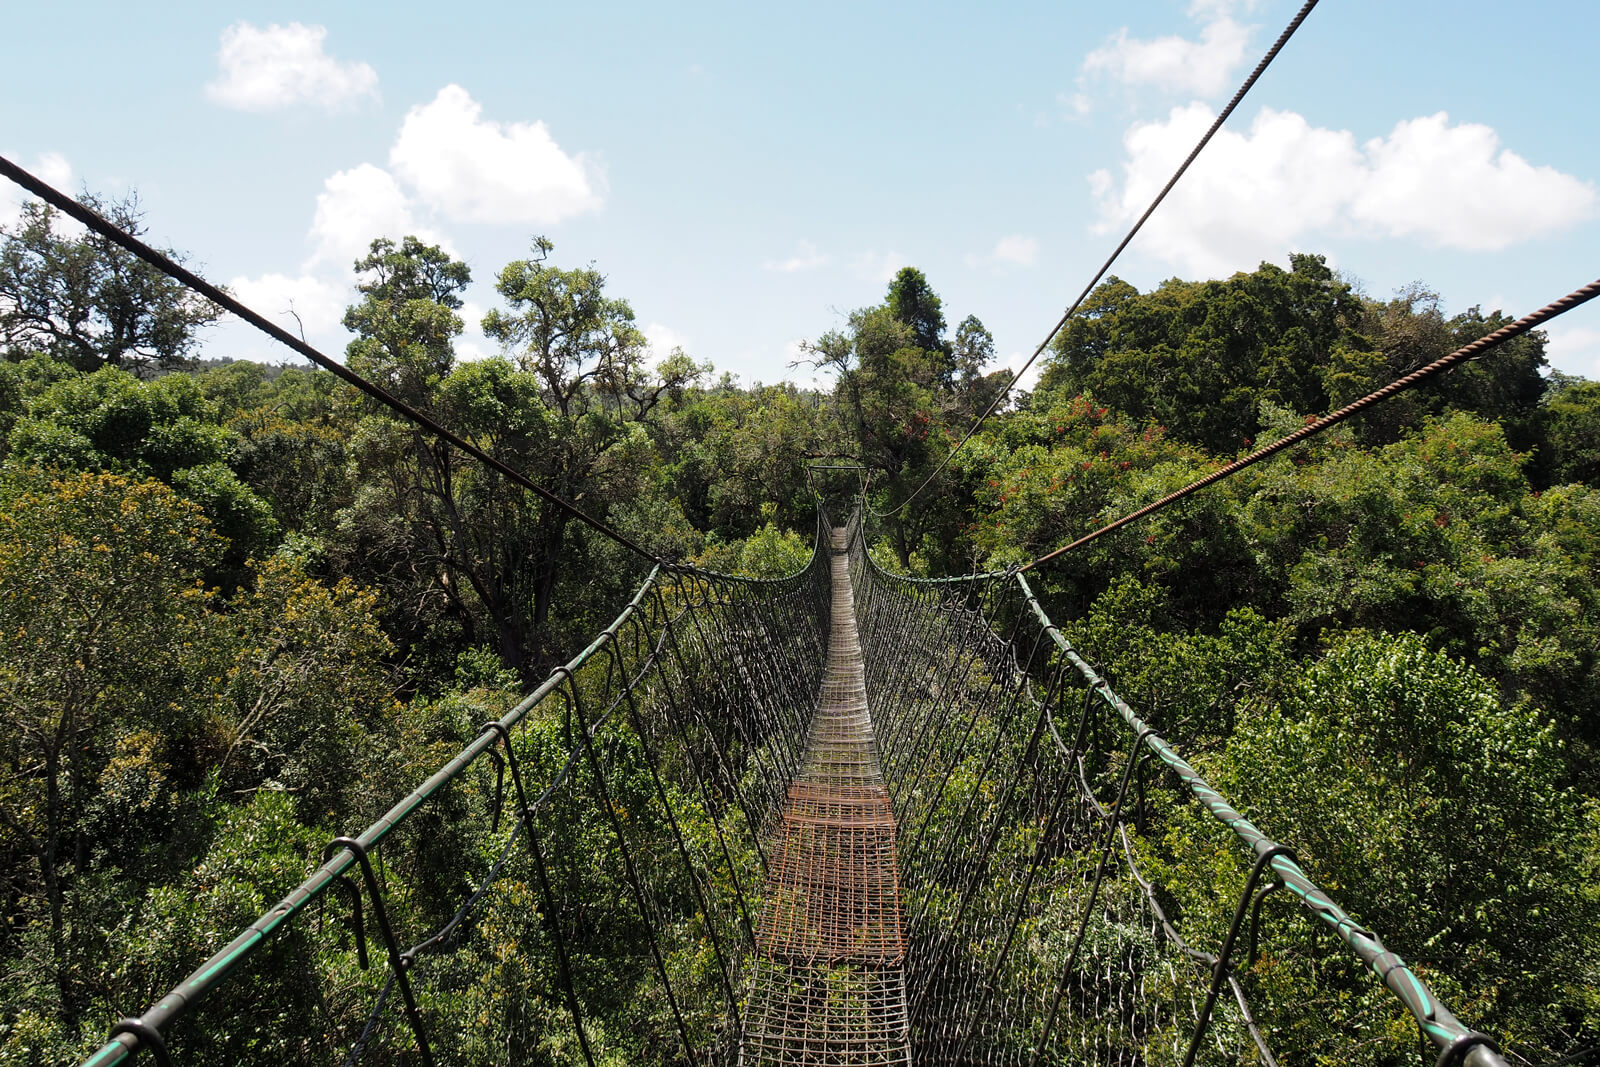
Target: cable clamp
{"type": "Point", "coordinates": [1456, 1052]}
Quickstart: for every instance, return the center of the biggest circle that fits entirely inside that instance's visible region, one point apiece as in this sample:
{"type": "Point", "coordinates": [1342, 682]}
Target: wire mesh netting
{"type": "Point", "coordinates": [828, 986]}
{"type": "Point", "coordinates": [578, 884]}
{"type": "Point", "coordinates": [1031, 802]}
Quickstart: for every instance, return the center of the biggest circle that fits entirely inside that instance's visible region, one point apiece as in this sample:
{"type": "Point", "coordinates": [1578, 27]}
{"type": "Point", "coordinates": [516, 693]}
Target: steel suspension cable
{"type": "Point", "coordinates": [1222, 117]}
{"type": "Point", "coordinates": [164, 263]}
{"type": "Point", "coordinates": [1399, 385]}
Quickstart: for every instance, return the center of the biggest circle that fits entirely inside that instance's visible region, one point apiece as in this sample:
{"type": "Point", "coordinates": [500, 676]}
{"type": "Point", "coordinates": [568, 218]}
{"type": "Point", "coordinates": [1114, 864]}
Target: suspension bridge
{"type": "Point", "coordinates": [838, 818]}
{"type": "Point", "coordinates": [844, 817]}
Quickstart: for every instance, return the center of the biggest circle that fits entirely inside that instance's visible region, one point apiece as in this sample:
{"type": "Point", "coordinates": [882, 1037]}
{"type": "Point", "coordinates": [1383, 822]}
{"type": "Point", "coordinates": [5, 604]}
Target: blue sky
{"type": "Point", "coordinates": [745, 176]}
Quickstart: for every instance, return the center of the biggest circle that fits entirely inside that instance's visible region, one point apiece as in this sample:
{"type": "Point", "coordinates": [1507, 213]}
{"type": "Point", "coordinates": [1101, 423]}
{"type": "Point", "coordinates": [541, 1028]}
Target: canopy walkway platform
{"type": "Point", "coordinates": [828, 981]}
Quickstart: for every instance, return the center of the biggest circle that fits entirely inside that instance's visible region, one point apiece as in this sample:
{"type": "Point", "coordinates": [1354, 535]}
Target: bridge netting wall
{"type": "Point", "coordinates": [578, 885]}
{"type": "Point", "coordinates": [1034, 807]}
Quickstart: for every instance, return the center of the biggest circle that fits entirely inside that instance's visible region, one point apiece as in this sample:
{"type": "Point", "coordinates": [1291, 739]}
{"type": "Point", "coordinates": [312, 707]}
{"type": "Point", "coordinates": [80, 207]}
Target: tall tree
{"type": "Point", "coordinates": [88, 302]}
{"type": "Point", "coordinates": [405, 326]}
{"type": "Point", "coordinates": [597, 385]}
{"type": "Point", "coordinates": [406, 322]}
{"type": "Point", "coordinates": [582, 344]}
{"type": "Point", "coordinates": [1200, 357]}
{"type": "Point", "coordinates": [912, 301]}
{"type": "Point", "coordinates": [972, 351]}
{"type": "Point", "coordinates": [896, 389]}
{"type": "Point", "coordinates": [99, 599]}
{"type": "Point", "coordinates": [566, 408]}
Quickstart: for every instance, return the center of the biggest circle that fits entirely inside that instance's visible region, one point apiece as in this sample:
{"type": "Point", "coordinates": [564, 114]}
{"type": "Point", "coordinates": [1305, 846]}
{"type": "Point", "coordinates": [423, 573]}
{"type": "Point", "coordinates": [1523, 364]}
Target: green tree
{"type": "Point", "coordinates": [1200, 357]}
{"type": "Point", "coordinates": [1439, 533]}
{"type": "Point", "coordinates": [972, 351]}
{"type": "Point", "coordinates": [99, 587]}
{"type": "Point", "coordinates": [88, 302]}
{"type": "Point", "coordinates": [570, 408]}
{"type": "Point", "coordinates": [1571, 434]}
{"type": "Point", "coordinates": [1507, 383]}
{"type": "Point", "coordinates": [1434, 811]}
{"type": "Point", "coordinates": [1062, 466]}
{"type": "Point", "coordinates": [292, 429]}
{"type": "Point", "coordinates": [406, 322]}
{"type": "Point", "coordinates": [728, 452]}
{"type": "Point", "coordinates": [304, 689]}
{"type": "Point", "coordinates": [597, 391]}
{"type": "Point", "coordinates": [896, 392]}
{"type": "Point", "coordinates": [582, 344]}
{"type": "Point", "coordinates": [167, 429]}
{"type": "Point", "coordinates": [767, 553]}
{"type": "Point", "coordinates": [1409, 332]}
{"type": "Point", "coordinates": [914, 304]}
{"type": "Point", "coordinates": [136, 711]}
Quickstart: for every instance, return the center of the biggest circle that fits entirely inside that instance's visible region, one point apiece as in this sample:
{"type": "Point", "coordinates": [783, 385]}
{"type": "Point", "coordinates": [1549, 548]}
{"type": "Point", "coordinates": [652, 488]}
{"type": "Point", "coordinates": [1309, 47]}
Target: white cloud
{"type": "Point", "coordinates": [663, 339]}
{"type": "Point", "coordinates": [472, 170]}
{"type": "Point", "coordinates": [1246, 198]}
{"type": "Point", "coordinates": [1016, 249]}
{"type": "Point", "coordinates": [303, 303]}
{"type": "Point", "coordinates": [1174, 64]}
{"type": "Point", "coordinates": [54, 169]}
{"type": "Point", "coordinates": [281, 66]}
{"type": "Point", "coordinates": [51, 168]}
{"type": "Point", "coordinates": [356, 206]}
{"type": "Point", "coordinates": [1574, 349]}
{"type": "Point", "coordinates": [446, 165]}
{"type": "Point", "coordinates": [1456, 186]}
{"type": "Point", "coordinates": [1253, 195]}
{"type": "Point", "coordinates": [806, 257]}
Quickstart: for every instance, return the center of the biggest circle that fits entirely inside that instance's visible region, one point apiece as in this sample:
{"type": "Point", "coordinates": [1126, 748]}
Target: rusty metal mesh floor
{"type": "Point", "coordinates": [827, 986]}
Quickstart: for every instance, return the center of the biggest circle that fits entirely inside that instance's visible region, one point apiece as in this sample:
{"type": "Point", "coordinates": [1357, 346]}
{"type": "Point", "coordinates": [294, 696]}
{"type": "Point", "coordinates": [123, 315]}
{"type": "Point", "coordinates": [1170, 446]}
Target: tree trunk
{"type": "Point", "coordinates": [544, 586]}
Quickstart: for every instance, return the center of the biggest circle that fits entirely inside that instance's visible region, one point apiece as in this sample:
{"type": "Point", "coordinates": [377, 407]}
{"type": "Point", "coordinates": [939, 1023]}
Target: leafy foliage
{"type": "Point", "coordinates": [1402, 779]}
{"type": "Point", "coordinates": [244, 611]}
{"type": "Point", "coordinates": [87, 302]}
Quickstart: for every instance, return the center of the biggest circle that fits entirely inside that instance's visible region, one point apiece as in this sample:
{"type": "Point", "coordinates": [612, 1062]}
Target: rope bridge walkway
{"type": "Point", "coordinates": [838, 818]}
{"type": "Point", "coordinates": [828, 984]}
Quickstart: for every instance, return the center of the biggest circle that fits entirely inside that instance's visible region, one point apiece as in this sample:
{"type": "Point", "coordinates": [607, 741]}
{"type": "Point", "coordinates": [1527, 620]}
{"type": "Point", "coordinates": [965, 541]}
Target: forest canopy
{"type": "Point", "coordinates": [245, 608]}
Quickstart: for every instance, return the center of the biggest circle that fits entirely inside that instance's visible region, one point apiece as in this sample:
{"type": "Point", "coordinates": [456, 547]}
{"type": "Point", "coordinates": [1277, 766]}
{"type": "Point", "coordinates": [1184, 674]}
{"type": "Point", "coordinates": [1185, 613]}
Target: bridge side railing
{"type": "Point", "coordinates": [608, 830]}
{"type": "Point", "coordinates": [1032, 799]}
